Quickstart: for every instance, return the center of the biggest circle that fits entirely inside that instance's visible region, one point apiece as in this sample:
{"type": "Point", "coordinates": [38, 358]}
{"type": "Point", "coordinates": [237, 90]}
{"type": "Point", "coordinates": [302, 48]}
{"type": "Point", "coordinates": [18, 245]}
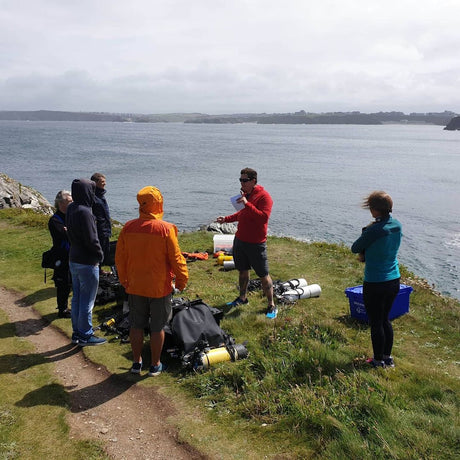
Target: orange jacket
{"type": "Point", "coordinates": [148, 255]}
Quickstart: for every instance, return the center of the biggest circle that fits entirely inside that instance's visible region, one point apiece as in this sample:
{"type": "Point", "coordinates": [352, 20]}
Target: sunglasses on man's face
{"type": "Point", "coordinates": [244, 179]}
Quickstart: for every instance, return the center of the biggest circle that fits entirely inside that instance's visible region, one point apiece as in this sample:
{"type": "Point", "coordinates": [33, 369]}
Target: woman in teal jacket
{"type": "Point", "coordinates": [378, 247]}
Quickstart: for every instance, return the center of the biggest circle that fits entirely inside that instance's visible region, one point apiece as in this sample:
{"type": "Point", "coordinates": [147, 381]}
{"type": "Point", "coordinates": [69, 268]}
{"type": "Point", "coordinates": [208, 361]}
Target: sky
{"type": "Point", "coordinates": [230, 56]}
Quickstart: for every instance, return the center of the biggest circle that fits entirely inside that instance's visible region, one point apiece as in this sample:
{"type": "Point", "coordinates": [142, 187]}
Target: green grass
{"type": "Point", "coordinates": [34, 405]}
{"type": "Point", "coordinates": [305, 390]}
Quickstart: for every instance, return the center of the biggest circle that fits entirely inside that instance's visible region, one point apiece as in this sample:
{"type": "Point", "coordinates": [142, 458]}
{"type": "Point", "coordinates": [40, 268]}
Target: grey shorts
{"type": "Point", "coordinates": [147, 312]}
{"type": "Point", "coordinates": [250, 255]}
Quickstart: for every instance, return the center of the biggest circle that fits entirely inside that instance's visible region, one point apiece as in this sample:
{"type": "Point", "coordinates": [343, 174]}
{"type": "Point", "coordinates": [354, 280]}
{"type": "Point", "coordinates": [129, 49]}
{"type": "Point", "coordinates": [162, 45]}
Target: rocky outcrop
{"type": "Point", "coordinates": [227, 228]}
{"type": "Point", "coordinates": [15, 195]}
{"type": "Point", "coordinates": [453, 125]}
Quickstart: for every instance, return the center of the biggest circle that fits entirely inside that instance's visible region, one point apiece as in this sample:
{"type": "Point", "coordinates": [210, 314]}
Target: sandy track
{"type": "Point", "coordinates": [127, 418]}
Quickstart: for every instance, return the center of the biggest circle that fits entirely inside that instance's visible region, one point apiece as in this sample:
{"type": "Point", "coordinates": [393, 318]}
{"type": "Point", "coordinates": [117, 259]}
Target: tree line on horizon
{"type": "Point", "coordinates": [300, 117]}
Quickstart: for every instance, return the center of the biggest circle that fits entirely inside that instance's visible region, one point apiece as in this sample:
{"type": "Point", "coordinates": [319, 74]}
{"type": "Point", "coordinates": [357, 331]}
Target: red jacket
{"type": "Point", "coordinates": [253, 218]}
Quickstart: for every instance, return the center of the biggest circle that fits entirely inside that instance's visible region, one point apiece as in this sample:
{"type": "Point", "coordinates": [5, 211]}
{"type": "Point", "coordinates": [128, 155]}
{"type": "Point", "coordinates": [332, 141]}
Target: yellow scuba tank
{"type": "Point", "coordinates": [109, 323]}
{"type": "Point", "coordinates": [219, 355]}
{"type": "Point", "coordinates": [214, 356]}
{"type": "Point", "coordinates": [223, 258]}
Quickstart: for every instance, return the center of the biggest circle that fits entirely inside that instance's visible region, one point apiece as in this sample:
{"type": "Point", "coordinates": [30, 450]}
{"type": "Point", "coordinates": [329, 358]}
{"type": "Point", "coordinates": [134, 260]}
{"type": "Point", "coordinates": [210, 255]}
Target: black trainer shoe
{"type": "Point", "coordinates": [389, 361]}
{"type": "Point", "coordinates": [156, 370]}
{"type": "Point", "coordinates": [136, 368]}
{"type": "Point", "coordinates": [376, 363]}
{"type": "Point", "coordinates": [64, 313]}
{"type": "Point", "coordinates": [92, 341]}
{"type": "Point", "coordinates": [237, 302]}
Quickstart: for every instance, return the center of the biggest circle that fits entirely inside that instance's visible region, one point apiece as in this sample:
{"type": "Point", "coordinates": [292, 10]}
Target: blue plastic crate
{"type": "Point", "coordinates": [400, 306]}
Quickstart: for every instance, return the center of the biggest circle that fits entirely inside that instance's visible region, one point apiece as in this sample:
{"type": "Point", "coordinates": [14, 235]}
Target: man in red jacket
{"type": "Point", "coordinates": [250, 243]}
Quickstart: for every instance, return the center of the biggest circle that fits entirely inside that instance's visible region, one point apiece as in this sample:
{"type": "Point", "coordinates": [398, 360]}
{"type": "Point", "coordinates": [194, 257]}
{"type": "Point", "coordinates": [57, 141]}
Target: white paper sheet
{"type": "Point", "coordinates": [236, 205]}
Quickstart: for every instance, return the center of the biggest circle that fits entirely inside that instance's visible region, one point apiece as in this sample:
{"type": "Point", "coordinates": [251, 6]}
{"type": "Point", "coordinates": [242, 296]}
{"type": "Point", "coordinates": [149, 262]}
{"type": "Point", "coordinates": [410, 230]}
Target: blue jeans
{"type": "Point", "coordinates": [85, 281]}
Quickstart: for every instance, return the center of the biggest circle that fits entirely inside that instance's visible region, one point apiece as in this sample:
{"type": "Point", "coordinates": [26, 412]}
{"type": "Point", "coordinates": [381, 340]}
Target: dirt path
{"type": "Point", "coordinates": [128, 419]}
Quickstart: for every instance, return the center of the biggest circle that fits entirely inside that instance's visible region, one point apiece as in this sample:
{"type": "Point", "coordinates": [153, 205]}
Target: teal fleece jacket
{"type": "Point", "coordinates": [380, 243]}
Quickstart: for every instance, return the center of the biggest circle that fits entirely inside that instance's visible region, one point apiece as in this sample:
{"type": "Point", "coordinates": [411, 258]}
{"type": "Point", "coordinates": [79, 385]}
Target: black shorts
{"type": "Point", "coordinates": [149, 312]}
{"type": "Point", "coordinates": [250, 255]}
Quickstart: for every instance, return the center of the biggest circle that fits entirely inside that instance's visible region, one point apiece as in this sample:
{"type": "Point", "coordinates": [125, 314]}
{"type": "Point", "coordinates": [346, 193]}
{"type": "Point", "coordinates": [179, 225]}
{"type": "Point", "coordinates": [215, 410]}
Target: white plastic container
{"type": "Point", "coordinates": [223, 243]}
{"type": "Point", "coordinates": [305, 292]}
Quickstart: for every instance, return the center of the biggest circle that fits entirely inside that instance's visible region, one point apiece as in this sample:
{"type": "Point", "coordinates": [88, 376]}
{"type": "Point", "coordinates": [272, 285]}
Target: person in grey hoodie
{"type": "Point", "coordinates": [84, 259]}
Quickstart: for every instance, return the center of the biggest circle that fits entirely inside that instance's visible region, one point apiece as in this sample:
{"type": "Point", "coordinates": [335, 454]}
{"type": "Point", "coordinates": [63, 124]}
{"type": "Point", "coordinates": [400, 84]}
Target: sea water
{"type": "Point", "coordinates": [316, 174]}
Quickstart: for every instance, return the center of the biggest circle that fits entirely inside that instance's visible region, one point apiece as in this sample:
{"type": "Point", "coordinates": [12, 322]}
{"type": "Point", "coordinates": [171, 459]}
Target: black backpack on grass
{"type": "Point", "coordinates": [194, 327]}
{"type": "Point", "coordinates": [195, 324]}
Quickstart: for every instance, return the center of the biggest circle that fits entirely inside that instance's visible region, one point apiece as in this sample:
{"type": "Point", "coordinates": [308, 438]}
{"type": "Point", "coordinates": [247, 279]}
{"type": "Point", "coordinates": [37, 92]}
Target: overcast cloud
{"type": "Point", "coordinates": [229, 56]}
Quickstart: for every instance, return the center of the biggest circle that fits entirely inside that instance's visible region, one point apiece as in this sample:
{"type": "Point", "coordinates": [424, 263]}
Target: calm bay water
{"type": "Point", "coordinates": [317, 176]}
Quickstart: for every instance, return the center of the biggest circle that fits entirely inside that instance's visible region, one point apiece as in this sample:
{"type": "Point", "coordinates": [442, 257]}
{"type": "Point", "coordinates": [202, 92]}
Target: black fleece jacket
{"type": "Point", "coordinates": [102, 213]}
{"type": "Point", "coordinates": [81, 224]}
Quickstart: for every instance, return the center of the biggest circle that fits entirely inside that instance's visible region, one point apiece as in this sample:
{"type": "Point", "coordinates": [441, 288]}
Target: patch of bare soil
{"type": "Point", "coordinates": [128, 419]}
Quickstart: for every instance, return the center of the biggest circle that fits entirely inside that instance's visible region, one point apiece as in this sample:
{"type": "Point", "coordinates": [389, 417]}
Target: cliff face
{"type": "Point", "coordinates": [453, 124]}
{"type": "Point", "coordinates": [15, 195]}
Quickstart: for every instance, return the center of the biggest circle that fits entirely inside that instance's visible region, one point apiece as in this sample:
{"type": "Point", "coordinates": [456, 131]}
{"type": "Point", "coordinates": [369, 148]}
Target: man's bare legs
{"type": "Point", "coordinates": [267, 285]}
{"type": "Point", "coordinates": [136, 338]}
{"type": "Point", "coordinates": [156, 345]}
{"type": "Point", "coordinates": [243, 282]}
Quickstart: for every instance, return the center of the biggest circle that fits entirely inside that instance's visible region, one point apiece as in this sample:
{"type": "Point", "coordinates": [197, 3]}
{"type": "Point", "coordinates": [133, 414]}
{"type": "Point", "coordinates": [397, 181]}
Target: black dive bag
{"type": "Point", "coordinates": [195, 324]}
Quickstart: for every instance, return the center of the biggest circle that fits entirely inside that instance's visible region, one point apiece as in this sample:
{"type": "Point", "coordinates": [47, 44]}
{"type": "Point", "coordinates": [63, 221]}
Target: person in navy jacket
{"type": "Point", "coordinates": [61, 246]}
{"type": "Point", "coordinates": [102, 213]}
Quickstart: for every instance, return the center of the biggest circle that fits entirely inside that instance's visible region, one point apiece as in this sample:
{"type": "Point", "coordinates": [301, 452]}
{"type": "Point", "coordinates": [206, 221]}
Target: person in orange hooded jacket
{"type": "Point", "coordinates": [148, 260]}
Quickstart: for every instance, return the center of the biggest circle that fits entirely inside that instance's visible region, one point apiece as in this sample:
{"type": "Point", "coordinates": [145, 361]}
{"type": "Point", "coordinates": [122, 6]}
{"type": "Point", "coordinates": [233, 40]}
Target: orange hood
{"type": "Point", "coordinates": [150, 203]}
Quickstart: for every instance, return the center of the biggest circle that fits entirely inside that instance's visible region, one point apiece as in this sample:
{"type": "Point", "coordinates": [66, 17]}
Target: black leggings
{"type": "Point", "coordinates": [62, 282]}
{"type": "Point", "coordinates": [378, 300]}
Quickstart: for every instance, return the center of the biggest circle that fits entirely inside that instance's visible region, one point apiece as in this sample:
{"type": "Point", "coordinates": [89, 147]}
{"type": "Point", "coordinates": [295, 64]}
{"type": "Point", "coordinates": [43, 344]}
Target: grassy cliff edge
{"type": "Point", "coordinates": [305, 390]}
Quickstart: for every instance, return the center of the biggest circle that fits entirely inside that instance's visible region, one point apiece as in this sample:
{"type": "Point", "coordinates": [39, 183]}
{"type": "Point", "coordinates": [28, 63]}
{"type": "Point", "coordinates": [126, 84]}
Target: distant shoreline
{"type": "Point", "coordinates": [301, 117]}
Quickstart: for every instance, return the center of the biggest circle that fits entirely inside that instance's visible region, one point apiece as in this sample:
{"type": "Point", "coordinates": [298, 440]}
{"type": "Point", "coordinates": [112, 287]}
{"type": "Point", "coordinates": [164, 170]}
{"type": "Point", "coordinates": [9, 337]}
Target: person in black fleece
{"type": "Point", "coordinates": [61, 245]}
{"type": "Point", "coordinates": [85, 257]}
{"type": "Point", "coordinates": [102, 213]}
